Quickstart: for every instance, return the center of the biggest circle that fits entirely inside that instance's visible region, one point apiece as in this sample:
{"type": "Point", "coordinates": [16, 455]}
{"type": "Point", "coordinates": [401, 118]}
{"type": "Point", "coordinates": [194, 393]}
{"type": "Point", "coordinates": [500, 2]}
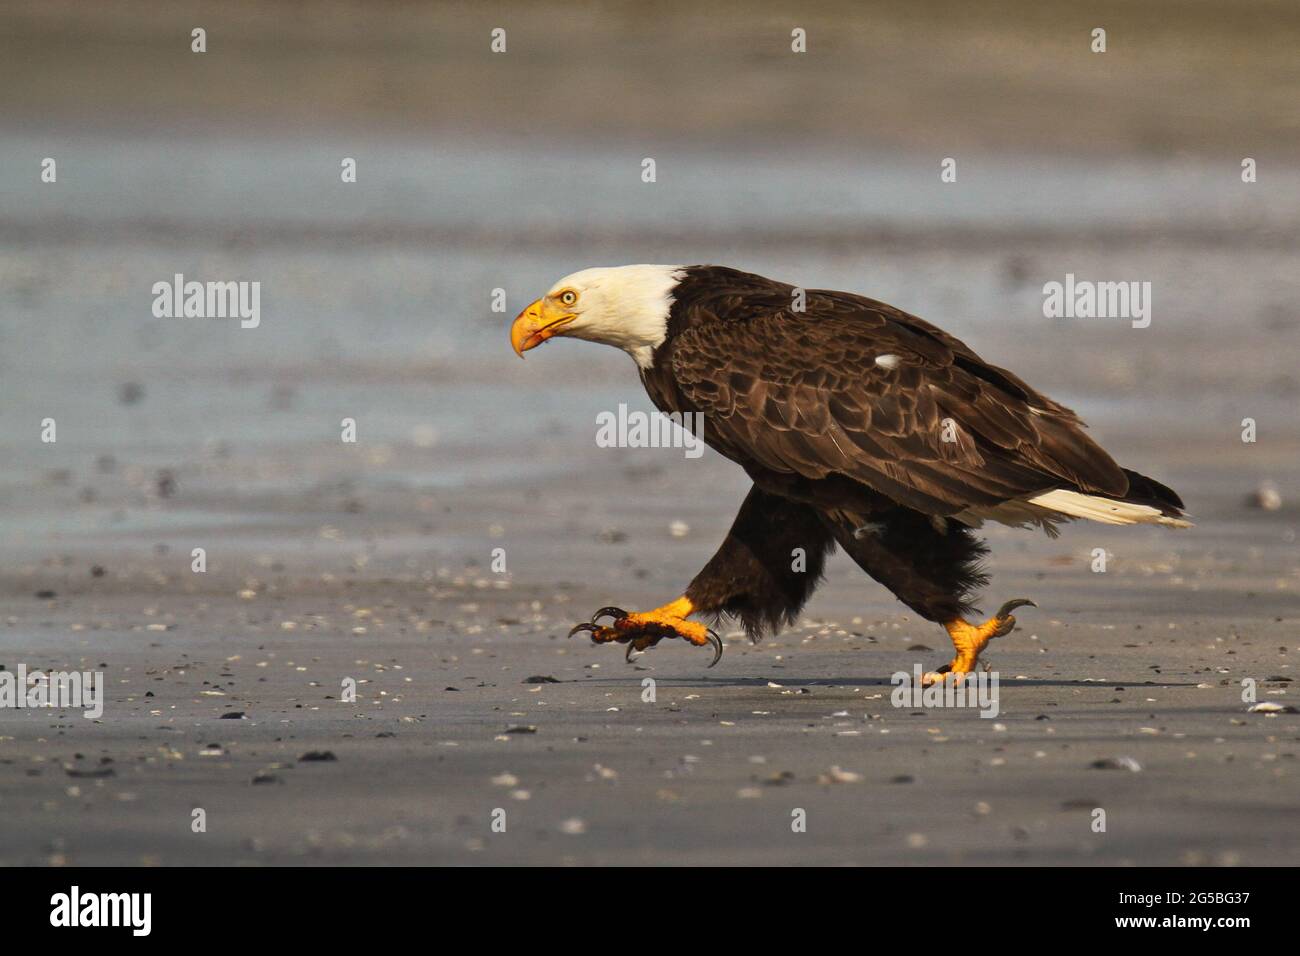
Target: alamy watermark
{"type": "Point", "coordinates": [83, 690]}
{"type": "Point", "coordinates": [75, 908]}
{"type": "Point", "coordinates": [179, 299]}
{"type": "Point", "coordinates": [978, 689]}
{"type": "Point", "coordinates": [636, 429]}
{"type": "Point", "coordinates": [1084, 299]}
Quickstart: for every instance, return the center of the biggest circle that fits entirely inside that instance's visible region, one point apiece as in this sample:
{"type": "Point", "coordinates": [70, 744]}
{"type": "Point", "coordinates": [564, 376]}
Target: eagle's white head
{"type": "Point", "coordinates": [623, 306]}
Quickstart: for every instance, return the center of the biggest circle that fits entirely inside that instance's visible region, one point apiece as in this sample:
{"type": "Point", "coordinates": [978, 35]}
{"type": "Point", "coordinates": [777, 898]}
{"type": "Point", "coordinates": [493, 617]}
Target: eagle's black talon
{"type": "Point", "coordinates": [717, 646]}
{"type": "Point", "coordinates": [593, 628]}
{"type": "Point", "coordinates": [1011, 605]}
{"type": "Point", "coordinates": [617, 613]}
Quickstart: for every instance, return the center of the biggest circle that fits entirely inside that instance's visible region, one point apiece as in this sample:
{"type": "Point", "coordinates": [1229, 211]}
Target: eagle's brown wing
{"type": "Point", "coordinates": [854, 387]}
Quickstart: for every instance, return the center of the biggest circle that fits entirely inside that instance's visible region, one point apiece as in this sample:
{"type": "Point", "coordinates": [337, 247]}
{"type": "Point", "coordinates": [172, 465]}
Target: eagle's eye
{"type": "Point", "coordinates": [568, 297]}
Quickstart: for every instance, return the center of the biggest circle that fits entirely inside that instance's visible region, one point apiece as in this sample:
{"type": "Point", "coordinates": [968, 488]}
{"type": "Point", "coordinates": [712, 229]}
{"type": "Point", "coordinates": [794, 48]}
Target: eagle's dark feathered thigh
{"type": "Point", "coordinates": [767, 567]}
{"type": "Point", "coordinates": [932, 571]}
{"type": "Point", "coordinates": [773, 557]}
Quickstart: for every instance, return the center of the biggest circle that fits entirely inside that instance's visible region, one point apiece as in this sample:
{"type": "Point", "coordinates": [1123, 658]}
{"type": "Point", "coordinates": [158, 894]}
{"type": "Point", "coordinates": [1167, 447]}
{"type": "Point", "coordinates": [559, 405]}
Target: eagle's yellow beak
{"type": "Point", "coordinates": [536, 324]}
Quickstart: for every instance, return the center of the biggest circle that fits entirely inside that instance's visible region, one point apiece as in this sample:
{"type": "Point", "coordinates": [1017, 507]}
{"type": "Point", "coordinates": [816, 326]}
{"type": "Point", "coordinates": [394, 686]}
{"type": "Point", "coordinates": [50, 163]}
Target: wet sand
{"type": "Point", "coordinates": [1143, 662]}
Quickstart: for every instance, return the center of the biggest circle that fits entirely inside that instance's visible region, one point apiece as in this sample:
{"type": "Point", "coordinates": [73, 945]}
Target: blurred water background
{"type": "Point", "coordinates": [479, 171]}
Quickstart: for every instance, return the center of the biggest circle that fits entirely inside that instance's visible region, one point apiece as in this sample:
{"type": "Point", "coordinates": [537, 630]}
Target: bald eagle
{"type": "Point", "coordinates": [859, 425]}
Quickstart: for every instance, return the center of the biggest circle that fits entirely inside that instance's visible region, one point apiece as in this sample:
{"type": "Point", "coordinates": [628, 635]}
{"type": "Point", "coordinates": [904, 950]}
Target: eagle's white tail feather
{"type": "Point", "coordinates": [1105, 510]}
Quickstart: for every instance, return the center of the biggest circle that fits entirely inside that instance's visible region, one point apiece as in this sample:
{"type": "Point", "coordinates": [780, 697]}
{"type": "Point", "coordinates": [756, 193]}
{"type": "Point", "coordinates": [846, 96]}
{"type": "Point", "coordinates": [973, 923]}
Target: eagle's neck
{"type": "Point", "coordinates": [631, 308]}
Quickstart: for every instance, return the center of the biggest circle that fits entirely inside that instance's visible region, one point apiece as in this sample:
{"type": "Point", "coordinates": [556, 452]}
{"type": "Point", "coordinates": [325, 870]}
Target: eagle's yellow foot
{"type": "Point", "coordinates": [970, 639]}
{"type": "Point", "coordinates": [640, 631]}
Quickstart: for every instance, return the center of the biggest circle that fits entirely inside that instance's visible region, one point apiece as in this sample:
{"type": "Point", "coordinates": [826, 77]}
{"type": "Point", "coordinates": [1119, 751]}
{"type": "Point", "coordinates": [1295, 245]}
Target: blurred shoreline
{"type": "Point", "coordinates": [943, 76]}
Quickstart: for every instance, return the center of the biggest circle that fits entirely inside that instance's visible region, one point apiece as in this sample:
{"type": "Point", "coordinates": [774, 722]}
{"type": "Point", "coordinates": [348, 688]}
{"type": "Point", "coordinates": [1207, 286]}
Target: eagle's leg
{"type": "Point", "coordinates": [763, 574]}
{"type": "Point", "coordinates": [970, 639]}
{"type": "Point", "coordinates": [932, 566]}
